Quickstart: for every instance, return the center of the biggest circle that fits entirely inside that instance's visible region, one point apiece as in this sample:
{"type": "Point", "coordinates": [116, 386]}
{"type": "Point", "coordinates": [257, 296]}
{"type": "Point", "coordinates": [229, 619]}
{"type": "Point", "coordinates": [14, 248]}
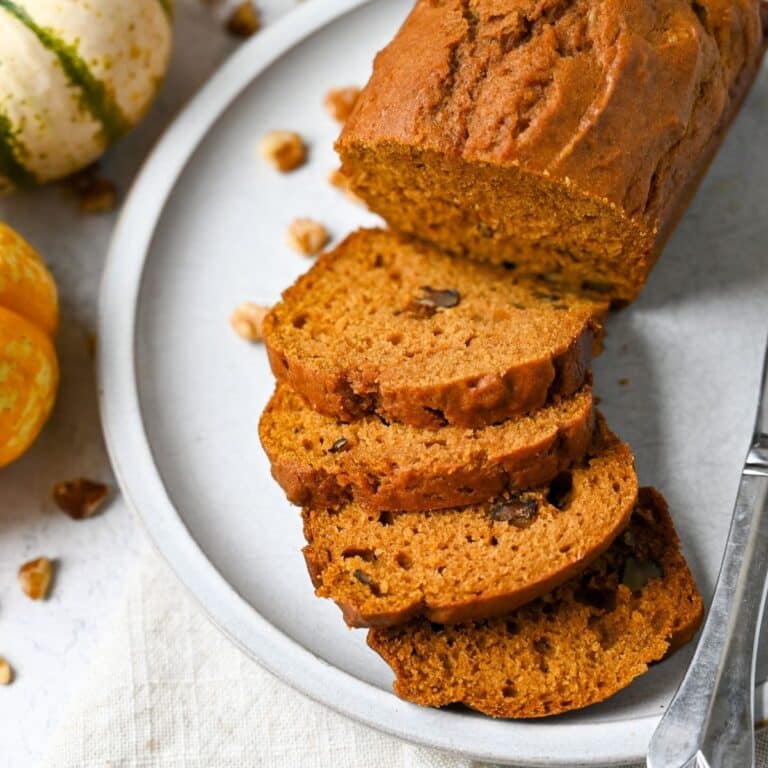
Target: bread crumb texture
{"type": "Point", "coordinates": [323, 462]}
{"type": "Point", "coordinates": [476, 561]}
{"type": "Point", "coordinates": [383, 324]}
{"type": "Point", "coordinates": [575, 646]}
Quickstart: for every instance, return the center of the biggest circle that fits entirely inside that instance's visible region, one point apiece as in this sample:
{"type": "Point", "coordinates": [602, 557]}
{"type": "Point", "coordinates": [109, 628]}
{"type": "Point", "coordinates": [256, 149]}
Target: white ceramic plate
{"type": "Point", "coordinates": [203, 230]}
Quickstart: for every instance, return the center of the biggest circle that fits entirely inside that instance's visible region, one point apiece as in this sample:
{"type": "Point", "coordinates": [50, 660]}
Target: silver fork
{"type": "Point", "coordinates": [710, 721]}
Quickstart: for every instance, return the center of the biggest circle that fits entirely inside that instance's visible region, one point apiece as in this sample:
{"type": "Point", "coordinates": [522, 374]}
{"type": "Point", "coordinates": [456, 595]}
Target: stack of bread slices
{"type": "Point", "coordinates": [434, 414]}
{"type": "Point", "coordinates": [461, 497]}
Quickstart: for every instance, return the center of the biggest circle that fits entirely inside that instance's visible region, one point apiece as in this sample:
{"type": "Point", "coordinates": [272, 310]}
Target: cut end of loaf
{"type": "Point", "coordinates": [574, 647]}
{"type": "Point", "coordinates": [505, 216]}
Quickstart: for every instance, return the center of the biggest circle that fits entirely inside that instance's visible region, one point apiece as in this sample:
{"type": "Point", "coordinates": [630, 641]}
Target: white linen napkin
{"type": "Point", "coordinates": [168, 690]}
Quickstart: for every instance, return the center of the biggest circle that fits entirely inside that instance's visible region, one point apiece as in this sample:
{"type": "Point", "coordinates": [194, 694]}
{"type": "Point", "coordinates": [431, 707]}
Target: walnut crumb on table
{"type": "Point", "coordinates": [95, 193]}
{"type": "Point", "coordinates": [6, 673]}
{"type": "Point", "coordinates": [35, 578]}
{"type": "Point", "coordinates": [307, 236]}
{"type": "Point", "coordinates": [244, 21]}
{"type": "Point", "coordinates": [247, 321]}
{"type": "Point", "coordinates": [341, 101]}
{"type": "Point", "coordinates": [285, 150]}
{"type": "Point", "coordinates": [80, 498]}
{"type": "Point", "coordinates": [100, 197]}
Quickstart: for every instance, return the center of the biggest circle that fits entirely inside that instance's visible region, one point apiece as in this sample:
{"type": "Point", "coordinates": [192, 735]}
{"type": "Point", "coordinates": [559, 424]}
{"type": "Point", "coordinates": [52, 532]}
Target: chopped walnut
{"type": "Point", "coordinates": [80, 498]}
{"type": "Point", "coordinates": [285, 150]}
{"type": "Point", "coordinates": [339, 445]}
{"type": "Point", "coordinates": [100, 198]}
{"type": "Point", "coordinates": [6, 673]}
{"type": "Point", "coordinates": [35, 578]}
{"type": "Point", "coordinates": [96, 194]}
{"type": "Point", "coordinates": [341, 101]}
{"type": "Point", "coordinates": [596, 286]}
{"type": "Point", "coordinates": [247, 321]}
{"type": "Point", "coordinates": [518, 511]}
{"type": "Point", "coordinates": [307, 236]}
{"type": "Point", "coordinates": [244, 21]}
{"type": "Point", "coordinates": [341, 181]}
{"type": "Point", "coordinates": [431, 300]}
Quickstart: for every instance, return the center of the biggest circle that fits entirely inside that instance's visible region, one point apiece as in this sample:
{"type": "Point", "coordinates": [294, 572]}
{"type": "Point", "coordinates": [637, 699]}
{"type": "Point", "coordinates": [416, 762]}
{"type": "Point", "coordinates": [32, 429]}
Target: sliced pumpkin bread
{"type": "Point", "coordinates": [383, 568]}
{"type": "Point", "coordinates": [321, 462]}
{"type": "Point", "coordinates": [573, 647]}
{"type": "Point", "coordinates": [386, 325]}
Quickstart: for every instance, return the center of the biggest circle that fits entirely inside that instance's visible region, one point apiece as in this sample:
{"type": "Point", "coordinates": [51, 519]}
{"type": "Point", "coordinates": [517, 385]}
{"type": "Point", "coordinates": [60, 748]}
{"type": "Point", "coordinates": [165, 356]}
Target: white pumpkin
{"type": "Point", "coordinates": [75, 75]}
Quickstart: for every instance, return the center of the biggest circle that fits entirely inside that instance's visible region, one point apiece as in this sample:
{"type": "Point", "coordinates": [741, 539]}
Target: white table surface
{"type": "Point", "coordinates": [50, 644]}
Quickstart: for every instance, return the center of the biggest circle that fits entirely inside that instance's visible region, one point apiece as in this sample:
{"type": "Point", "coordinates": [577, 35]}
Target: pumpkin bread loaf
{"type": "Point", "coordinates": [383, 568]}
{"type": "Point", "coordinates": [575, 646]}
{"type": "Point", "coordinates": [564, 136]}
{"type": "Point", "coordinates": [322, 463]}
{"type": "Point", "coordinates": [385, 325]}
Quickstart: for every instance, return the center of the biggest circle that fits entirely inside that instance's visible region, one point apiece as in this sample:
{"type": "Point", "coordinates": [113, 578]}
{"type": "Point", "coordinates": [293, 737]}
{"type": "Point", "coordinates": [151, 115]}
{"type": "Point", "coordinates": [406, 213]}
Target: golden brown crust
{"type": "Point", "coordinates": [383, 568]}
{"type": "Point", "coordinates": [386, 325]}
{"type": "Point", "coordinates": [576, 646]}
{"type": "Point", "coordinates": [565, 135]}
{"type": "Point", "coordinates": [323, 463]}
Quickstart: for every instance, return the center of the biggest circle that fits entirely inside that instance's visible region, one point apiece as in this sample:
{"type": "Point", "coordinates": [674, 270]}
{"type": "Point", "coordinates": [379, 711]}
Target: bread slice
{"type": "Point", "coordinates": [383, 568]}
{"type": "Point", "coordinates": [575, 646]}
{"type": "Point", "coordinates": [386, 325]}
{"type": "Point", "coordinates": [536, 132]}
{"type": "Point", "coordinates": [322, 463]}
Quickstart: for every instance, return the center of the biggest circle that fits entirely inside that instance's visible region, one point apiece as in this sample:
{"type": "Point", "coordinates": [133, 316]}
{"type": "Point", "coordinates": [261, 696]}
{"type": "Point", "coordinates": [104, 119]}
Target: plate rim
{"type": "Point", "coordinates": [130, 451]}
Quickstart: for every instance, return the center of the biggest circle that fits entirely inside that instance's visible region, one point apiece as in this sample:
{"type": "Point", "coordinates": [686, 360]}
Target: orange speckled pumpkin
{"type": "Point", "coordinates": [29, 371]}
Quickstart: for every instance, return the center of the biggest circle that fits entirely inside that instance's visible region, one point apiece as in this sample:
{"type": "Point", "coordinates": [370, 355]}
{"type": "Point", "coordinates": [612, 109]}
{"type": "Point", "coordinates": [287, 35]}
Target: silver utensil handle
{"type": "Point", "coordinates": [710, 721]}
